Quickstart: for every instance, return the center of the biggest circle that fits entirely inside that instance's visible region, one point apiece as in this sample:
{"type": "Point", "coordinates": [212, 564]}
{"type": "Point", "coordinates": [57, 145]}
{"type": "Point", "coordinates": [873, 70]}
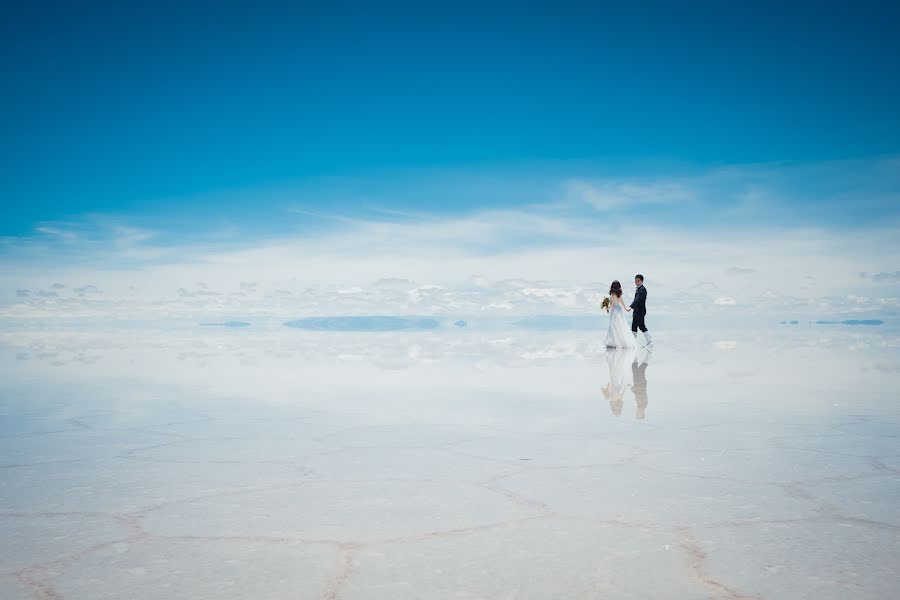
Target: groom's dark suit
{"type": "Point", "coordinates": [639, 306]}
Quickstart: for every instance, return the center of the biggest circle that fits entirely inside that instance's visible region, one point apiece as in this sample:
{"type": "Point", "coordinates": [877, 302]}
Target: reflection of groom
{"type": "Point", "coordinates": [639, 305]}
{"type": "Point", "coordinates": [639, 375]}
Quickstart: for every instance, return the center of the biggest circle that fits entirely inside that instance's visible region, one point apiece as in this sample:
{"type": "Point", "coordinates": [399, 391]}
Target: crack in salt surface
{"type": "Point", "coordinates": [335, 586]}
{"type": "Point", "coordinates": [827, 519]}
{"type": "Point", "coordinates": [35, 577]}
{"type": "Point", "coordinates": [62, 461]}
{"type": "Point", "coordinates": [38, 589]}
{"type": "Point", "coordinates": [697, 559]}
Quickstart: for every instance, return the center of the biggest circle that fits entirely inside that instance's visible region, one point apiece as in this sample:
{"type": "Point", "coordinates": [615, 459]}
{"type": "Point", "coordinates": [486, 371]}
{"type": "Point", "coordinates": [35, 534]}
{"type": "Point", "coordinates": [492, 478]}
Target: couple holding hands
{"type": "Point", "coordinates": [618, 335]}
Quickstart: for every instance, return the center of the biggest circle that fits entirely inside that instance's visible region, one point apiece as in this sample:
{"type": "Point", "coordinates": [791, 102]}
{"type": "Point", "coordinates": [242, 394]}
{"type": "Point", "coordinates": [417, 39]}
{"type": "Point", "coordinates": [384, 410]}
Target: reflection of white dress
{"type": "Point", "coordinates": [619, 333]}
{"type": "Point", "coordinates": [619, 363]}
{"type": "Point", "coordinates": [618, 360]}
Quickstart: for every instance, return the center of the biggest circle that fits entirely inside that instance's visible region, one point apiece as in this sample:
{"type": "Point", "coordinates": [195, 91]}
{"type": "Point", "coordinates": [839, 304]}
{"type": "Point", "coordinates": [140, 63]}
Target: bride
{"type": "Point", "coordinates": [619, 334]}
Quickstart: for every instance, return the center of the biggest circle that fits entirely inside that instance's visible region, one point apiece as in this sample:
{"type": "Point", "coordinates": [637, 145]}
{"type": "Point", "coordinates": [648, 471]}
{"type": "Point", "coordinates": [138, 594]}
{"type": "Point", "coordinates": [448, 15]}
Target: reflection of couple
{"type": "Point", "coordinates": [618, 360]}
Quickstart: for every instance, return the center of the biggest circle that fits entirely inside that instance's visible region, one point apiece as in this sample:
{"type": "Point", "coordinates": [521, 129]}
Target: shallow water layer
{"type": "Point", "coordinates": [237, 463]}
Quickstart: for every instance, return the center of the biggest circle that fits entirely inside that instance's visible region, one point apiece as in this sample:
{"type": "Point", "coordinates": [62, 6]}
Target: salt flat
{"type": "Point", "coordinates": [286, 463]}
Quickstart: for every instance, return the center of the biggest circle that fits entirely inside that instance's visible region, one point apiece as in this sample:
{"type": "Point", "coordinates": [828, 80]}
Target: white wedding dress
{"type": "Point", "coordinates": [619, 333]}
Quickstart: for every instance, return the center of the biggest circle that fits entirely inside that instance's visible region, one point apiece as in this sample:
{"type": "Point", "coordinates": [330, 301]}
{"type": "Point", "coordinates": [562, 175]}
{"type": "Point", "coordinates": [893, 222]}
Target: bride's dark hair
{"type": "Point", "coordinates": [615, 288]}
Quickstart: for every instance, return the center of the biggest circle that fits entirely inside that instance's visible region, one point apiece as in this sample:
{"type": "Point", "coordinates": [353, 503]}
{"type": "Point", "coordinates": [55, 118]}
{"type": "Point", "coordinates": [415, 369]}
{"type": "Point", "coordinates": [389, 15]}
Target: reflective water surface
{"type": "Point", "coordinates": [284, 463]}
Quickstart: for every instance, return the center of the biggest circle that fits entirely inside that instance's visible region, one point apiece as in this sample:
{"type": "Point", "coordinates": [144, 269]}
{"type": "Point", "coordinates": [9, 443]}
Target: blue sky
{"type": "Point", "coordinates": [154, 109]}
{"type": "Point", "coordinates": [727, 146]}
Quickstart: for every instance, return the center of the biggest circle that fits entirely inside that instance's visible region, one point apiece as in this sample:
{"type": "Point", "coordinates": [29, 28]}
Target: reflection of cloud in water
{"type": "Point", "coordinates": [272, 346]}
{"type": "Point", "coordinates": [741, 374]}
{"type": "Point", "coordinates": [557, 323]}
{"type": "Point", "coordinates": [363, 323]}
{"type": "Point", "coordinates": [852, 322]}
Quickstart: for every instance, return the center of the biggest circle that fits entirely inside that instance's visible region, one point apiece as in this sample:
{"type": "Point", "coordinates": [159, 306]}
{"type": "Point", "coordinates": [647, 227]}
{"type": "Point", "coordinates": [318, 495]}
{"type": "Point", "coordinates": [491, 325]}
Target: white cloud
{"type": "Point", "coordinates": [87, 289]}
{"type": "Point", "coordinates": [539, 259]}
{"type": "Point", "coordinates": [415, 268]}
{"type": "Point", "coordinates": [610, 196]}
{"type": "Point", "coordinates": [57, 232]}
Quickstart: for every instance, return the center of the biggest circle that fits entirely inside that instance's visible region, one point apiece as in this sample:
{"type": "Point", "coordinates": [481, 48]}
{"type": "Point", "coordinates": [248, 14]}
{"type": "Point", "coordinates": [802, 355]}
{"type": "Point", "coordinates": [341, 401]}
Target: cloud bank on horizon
{"type": "Point", "coordinates": [782, 240]}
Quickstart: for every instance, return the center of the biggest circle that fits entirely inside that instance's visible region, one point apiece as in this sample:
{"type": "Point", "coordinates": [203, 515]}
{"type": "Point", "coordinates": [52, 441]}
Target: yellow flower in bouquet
{"type": "Point", "coordinates": [605, 304]}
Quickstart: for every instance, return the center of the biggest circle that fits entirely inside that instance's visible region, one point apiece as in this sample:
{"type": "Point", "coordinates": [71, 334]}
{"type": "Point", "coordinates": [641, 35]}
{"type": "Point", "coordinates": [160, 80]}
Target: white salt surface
{"type": "Point", "coordinates": [448, 464]}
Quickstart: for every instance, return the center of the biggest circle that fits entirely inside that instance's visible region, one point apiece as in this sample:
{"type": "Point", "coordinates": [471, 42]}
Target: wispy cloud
{"type": "Point", "coordinates": [57, 232]}
{"type": "Point", "coordinates": [555, 257]}
{"type": "Point", "coordinates": [610, 196]}
{"type": "Point", "coordinates": [451, 267]}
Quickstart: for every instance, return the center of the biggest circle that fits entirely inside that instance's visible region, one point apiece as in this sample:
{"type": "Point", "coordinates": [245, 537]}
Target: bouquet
{"type": "Point", "coordinates": [605, 304]}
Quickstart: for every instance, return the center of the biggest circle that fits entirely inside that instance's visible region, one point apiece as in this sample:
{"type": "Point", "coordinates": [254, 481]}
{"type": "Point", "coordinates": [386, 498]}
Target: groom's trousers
{"type": "Point", "coordinates": [637, 322]}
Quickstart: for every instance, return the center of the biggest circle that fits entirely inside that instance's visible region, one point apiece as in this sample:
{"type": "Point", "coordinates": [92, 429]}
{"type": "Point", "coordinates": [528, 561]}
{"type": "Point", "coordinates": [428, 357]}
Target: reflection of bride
{"type": "Point", "coordinates": [619, 334]}
{"type": "Point", "coordinates": [619, 362]}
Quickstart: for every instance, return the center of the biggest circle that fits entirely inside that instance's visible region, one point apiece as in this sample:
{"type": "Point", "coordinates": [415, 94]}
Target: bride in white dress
{"type": "Point", "coordinates": [619, 334]}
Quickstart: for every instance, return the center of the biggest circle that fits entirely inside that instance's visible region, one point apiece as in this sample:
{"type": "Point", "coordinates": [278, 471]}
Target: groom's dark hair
{"type": "Point", "coordinates": [639, 276]}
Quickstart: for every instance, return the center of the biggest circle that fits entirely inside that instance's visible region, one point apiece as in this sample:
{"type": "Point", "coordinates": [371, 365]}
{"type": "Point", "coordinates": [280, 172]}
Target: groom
{"type": "Point", "coordinates": [640, 310]}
